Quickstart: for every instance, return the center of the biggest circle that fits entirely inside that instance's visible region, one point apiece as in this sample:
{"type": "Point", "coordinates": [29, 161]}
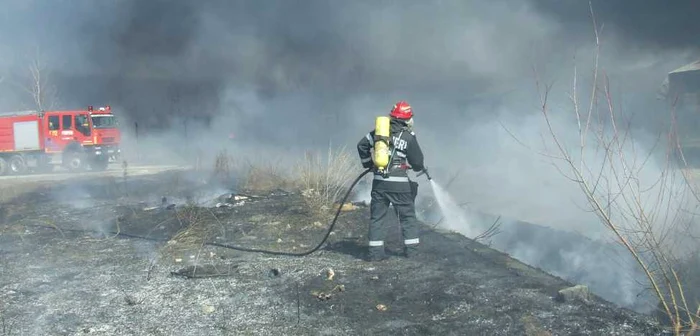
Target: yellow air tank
{"type": "Point", "coordinates": [382, 127]}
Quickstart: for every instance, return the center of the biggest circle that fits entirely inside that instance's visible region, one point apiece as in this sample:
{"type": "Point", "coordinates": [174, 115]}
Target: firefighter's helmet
{"type": "Point", "coordinates": [402, 110]}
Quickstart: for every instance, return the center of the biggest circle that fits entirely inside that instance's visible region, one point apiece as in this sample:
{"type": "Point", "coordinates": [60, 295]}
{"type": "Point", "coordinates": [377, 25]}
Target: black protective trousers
{"type": "Point", "coordinates": [404, 205]}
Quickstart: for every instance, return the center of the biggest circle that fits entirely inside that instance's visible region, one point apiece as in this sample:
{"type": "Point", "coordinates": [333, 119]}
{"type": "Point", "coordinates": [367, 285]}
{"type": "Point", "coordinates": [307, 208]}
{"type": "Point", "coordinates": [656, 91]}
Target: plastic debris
{"type": "Point", "coordinates": [207, 309]}
{"type": "Point", "coordinates": [346, 207]}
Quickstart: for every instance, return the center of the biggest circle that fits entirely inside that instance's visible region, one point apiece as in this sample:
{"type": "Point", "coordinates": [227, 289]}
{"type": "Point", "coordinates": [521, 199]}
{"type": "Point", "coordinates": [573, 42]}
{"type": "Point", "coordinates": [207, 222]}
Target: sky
{"type": "Point", "coordinates": [284, 76]}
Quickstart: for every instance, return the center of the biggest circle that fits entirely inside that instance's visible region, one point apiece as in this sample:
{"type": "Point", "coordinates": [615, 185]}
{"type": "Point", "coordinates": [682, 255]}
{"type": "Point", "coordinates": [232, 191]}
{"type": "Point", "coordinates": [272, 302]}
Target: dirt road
{"type": "Point", "coordinates": [113, 170]}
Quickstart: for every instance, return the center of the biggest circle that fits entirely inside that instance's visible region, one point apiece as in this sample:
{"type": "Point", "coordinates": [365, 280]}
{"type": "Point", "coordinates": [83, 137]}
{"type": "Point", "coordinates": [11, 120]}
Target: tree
{"type": "Point", "coordinates": [37, 83]}
{"type": "Point", "coordinates": [43, 92]}
{"type": "Point", "coordinates": [651, 217]}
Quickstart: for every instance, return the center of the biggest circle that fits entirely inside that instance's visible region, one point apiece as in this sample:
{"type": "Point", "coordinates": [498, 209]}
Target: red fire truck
{"type": "Point", "coordinates": [74, 139]}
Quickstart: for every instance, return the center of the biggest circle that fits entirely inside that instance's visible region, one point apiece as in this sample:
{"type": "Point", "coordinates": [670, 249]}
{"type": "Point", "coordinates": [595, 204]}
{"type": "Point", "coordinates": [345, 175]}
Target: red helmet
{"type": "Point", "coordinates": [402, 110]}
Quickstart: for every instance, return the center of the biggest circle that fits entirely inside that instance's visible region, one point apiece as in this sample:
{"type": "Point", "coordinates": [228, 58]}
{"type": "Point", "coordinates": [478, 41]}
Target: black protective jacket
{"type": "Point", "coordinates": [407, 154]}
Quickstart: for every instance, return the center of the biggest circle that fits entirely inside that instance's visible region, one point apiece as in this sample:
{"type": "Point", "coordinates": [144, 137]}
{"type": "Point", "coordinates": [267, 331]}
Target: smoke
{"type": "Point", "coordinates": [645, 23]}
{"type": "Point", "coordinates": [285, 76]}
{"type": "Point", "coordinates": [170, 58]}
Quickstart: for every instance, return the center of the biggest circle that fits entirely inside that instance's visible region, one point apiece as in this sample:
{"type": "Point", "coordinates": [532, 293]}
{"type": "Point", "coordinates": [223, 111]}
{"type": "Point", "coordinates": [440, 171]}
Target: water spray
{"type": "Point", "coordinates": [450, 210]}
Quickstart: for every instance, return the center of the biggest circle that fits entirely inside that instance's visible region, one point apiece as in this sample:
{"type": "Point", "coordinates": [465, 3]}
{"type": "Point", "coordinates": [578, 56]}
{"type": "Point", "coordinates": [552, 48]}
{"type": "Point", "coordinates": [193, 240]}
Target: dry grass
{"type": "Point", "coordinates": [322, 178]}
{"type": "Point", "coordinates": [251, 174]}
{"type": "Point", "coordinates": [265, 178]}
{"type": "Point", "coordinates": [223, 167]}
{"type": "Point", "coordinates": [533, 327]}
{"type": "Point", "coordinates": [11, 190]}
{"type": "Point", "coordinates": [325, 180]}
{"type": "Point", "coordinates": [199, 225]}
{"type": "Point", "coordinates": [12, 213]}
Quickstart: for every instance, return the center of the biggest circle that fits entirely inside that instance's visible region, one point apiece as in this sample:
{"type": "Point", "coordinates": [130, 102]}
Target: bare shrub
{"type": "Point", "coordinates": [257, 174]}
{"type": "Point", "coordinates": [196, 224]}
{"type": "Point", "coordinates": [37, 83]}
{"type": "Point", "coordinates": [265, 177]}
{"type": "Point", "coordinates": [650, 213]}
{"type": "Point", "coordinates": [223, 167]}
{"type": "Point", "coordinates": [322, 176]}
{"type": "Point", "coordinates": [325, 180]}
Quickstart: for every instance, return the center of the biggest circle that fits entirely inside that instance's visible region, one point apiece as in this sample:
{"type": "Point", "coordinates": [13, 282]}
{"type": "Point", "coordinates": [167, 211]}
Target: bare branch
{"type": "Point", "coordinates": [37, 83]}
{"type": "Point", "coordinates": [493, 230]}
{"type": "Point", "coordinates": [645, 215]}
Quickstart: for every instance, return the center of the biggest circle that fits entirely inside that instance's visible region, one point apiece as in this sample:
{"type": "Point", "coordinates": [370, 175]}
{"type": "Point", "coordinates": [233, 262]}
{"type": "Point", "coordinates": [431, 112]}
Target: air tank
{"type": "Point", "coordinates": [382, 128]}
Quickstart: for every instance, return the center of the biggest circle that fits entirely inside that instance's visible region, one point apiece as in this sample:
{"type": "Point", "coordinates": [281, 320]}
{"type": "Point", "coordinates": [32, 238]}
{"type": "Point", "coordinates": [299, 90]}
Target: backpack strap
{"type": "Point", "coordinates": [393, 151]}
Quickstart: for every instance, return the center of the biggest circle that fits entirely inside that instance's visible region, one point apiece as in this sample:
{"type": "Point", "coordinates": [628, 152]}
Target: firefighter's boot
{"type": "Point", "coordinates": [411, 251]}
{"type": "Point", "coordinates": [376, 253]}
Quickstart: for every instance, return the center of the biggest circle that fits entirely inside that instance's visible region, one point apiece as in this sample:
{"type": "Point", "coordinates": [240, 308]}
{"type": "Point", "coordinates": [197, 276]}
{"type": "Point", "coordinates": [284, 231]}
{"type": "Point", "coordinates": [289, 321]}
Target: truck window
{"type": "Point", "coordinates": [53, 123]}
{"type": "Point", "coordinates": [67, 122]}
{"type": "Point", "coordinates": [82, 124]}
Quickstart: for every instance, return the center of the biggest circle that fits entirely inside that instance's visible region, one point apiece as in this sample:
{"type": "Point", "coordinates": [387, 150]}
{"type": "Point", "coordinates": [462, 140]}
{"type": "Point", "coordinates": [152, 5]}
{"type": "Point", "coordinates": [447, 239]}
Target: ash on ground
{"type": "Point", "coordinates": [84, 267]}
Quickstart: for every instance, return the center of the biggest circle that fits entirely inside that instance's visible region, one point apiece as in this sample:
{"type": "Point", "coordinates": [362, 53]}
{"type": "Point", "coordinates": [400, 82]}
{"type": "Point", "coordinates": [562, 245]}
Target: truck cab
{"type": "Point", "coordinates": [82, 138]}
{"type": "Point", "coordinates": [74, 139]}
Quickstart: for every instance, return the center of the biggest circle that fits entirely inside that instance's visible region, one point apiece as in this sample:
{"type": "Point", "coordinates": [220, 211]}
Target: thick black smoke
{"type": "Point", "coordinates": [156, 59]}
{"type": "Point", "coordinates": [643, 23]}
{"type": "Point", "coordinates": [299, 73]}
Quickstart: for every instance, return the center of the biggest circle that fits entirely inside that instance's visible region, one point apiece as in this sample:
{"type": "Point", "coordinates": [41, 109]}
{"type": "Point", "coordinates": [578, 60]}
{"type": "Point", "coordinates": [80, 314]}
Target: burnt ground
{"type": "Point", "coordinates": [58, 280]}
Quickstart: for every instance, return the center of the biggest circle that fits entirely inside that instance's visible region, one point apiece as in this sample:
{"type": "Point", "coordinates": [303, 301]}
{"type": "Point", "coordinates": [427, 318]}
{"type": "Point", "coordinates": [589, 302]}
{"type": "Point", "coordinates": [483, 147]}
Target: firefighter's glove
{"type": "Point", "coordinates": [425, 171]}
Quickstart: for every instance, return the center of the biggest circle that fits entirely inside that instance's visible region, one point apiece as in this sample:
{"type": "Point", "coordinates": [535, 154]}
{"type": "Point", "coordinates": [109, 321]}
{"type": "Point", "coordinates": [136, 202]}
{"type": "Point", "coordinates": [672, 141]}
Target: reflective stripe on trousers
{"type": "Point", "coordinates": [411, 241]}
{"type": "Point", "coordinates": [376, 243]}
{"type": "Point", "coordinates": [391, 178]}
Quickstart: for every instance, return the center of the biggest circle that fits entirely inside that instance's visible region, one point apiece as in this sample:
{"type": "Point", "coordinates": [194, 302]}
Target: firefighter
{"type": "Point", "coordinates": [393, 186]}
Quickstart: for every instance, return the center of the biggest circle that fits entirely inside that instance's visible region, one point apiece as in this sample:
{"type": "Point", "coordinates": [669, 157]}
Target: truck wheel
{"type": "Point", "coordinates": [74, 162]}
{"type": "Point", "coordinates": [17, 165]}
{"type": "Point", "coordinates": [4, 168]}
{"type": "Point", "coordinates": [99, 164]}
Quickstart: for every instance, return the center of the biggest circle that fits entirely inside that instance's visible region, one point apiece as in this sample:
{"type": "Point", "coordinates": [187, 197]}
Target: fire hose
{"type": "Point", "coordinates": [328, 231]}
{"type": "Point", "coordinates": [305, 253]}
{"type": "Point", "coordinates": [246, 249]}
{"type": "Point", "coordinates": [254, 250]}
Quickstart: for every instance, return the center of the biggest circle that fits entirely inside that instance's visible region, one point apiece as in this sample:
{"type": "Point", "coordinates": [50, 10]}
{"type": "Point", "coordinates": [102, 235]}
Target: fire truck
{"type": "Point", "coordinates": [38, 141]}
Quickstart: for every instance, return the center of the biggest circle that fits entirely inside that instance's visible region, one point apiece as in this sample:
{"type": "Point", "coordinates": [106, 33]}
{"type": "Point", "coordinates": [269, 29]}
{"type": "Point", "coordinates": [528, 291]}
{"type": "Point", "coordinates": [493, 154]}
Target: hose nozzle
{"type": "Point", "coordinates": [425, 171]}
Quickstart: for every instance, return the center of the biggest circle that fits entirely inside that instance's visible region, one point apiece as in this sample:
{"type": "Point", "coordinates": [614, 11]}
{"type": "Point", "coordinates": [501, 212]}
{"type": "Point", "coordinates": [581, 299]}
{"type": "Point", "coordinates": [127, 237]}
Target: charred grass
{"type": "Point", "coordinates": [95, 282]}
